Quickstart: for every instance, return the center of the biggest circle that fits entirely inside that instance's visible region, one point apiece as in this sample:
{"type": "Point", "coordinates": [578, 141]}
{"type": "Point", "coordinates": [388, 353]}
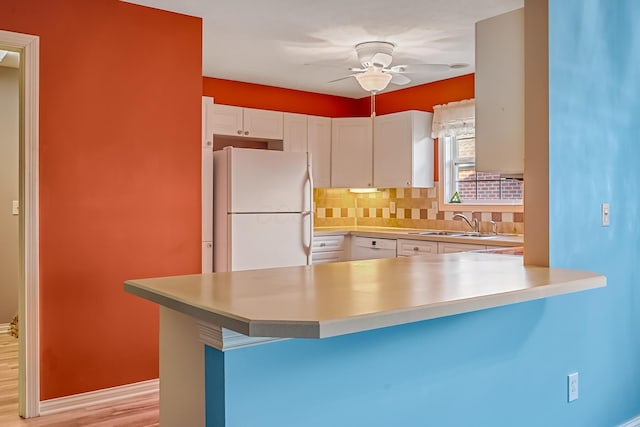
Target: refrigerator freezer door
{"type": "Point", "coordinates": [268, 181]}
{"type": "Point", "coordinates": [268, 240]}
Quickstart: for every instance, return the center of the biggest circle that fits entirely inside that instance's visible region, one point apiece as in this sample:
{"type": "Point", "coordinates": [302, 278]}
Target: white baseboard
{"type": "Point", "coordinates": [632, 423]}
{"type": "Point", "coordinates": [5, 328]}
{"type": "Point", "coordinates": [105, 395]}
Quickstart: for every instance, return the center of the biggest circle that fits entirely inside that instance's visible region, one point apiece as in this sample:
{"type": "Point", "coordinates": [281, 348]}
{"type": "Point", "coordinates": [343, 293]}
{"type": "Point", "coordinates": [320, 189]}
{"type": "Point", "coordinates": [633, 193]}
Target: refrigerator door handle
{"type": "Point", "coordinates": [310, 207]}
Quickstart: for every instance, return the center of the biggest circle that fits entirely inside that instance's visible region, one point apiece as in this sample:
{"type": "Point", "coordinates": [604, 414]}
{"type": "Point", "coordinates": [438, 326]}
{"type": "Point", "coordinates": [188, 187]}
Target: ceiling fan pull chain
{"type": "Point", "coordinates": [373, 104]}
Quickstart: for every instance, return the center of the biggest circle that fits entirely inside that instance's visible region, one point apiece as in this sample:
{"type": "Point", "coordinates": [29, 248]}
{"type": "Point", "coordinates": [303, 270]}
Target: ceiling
{"type": "Point", "coordinates": [303, 45]}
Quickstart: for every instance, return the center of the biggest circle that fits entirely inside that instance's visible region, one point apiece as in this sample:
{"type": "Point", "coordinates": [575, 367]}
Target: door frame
{"type": "Point", "coordinates": [28, 295]}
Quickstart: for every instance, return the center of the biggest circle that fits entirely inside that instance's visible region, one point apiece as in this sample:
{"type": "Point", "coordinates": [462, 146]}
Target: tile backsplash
{"type": "Point", "coordinates": [414, 208]}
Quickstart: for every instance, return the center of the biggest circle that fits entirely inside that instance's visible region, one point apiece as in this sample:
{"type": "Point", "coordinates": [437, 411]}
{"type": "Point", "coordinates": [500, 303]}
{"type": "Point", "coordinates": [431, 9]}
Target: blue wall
{"type": "Point", "coordinates": [505, 366]}
{"type": "Point", "coordinates": [594, 151]}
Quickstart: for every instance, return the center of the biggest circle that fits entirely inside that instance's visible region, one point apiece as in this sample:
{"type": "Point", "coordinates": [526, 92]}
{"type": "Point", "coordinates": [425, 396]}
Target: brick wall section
{"type": "Point", "coordinates": [415, 208]}
{"type": "Point", "coordinates": [490, 187]}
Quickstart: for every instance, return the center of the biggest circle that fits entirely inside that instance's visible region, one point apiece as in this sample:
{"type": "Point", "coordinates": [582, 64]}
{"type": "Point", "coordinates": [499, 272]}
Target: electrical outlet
{"type": "Point", "coordinates": [572, 384]}
{"type": "Point", "coordinates": [392, 207]}
{"type": "Point", "coordinates": [605, 214]}
{"type": "Point", "coordinates": [15, 207]}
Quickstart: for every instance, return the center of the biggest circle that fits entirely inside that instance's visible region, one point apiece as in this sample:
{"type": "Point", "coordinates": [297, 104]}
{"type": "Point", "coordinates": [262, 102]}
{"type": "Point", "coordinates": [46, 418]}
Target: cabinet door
{"type": "Point", "coordinates": [327, 244]}
{"type": "Point", "coordinates": [207, 122]}
{"type": "Point", "coordinates": [227, 120]}
{"type": "Point", "coordinates": [403, 150]}
{"type": "Point", "coordinates": [263, 124]}
{"type": "Point", "coordinates": [207, 257]}
{"type": "Point", "coordinates": [416, 247]}
{"type": "Point", "coordinates": [499, 86]}
{"type": "Point", "coordinates": [319, 144]}
{"type": "Point", "coordinates": [449, 248]}
{"type": "Point", "coordinates": [294, 132]}
{"type": "Point", "coordinates": [207, 194]}
{"type": "Point", "coordinates": [392, 150]}
{"type": "Point", "coordinates": [351, 153]}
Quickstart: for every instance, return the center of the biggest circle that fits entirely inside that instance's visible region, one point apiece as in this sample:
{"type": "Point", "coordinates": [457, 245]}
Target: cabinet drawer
{"type": "Point", "coordinates": [449, 248]}
{"type": "Point", "coordinates": [416, 247]}
{"type": "Point", "coordinates": [325, 257]}
{"type": "Point", "coordinates": [327, 243]}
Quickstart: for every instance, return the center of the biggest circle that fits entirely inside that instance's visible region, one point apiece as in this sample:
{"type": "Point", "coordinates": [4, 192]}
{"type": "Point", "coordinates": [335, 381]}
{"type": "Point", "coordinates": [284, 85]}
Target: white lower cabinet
{"type": "Point", "coordinates": [328, 249]}
{"type": "Point", "coordinates": [449, 248]}
{"type": "Point", "coordinates": [372, 248]}
{"type": "Point", "coordinates": [334, 248]}
{"type": "Point", "coordinates": [416, 247]}
{"type": "Point", "coordinates": [207, 257]}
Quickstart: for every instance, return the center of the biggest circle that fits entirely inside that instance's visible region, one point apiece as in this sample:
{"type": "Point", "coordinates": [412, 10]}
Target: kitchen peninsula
{"type": "Point", "coordinates": [371, 315]}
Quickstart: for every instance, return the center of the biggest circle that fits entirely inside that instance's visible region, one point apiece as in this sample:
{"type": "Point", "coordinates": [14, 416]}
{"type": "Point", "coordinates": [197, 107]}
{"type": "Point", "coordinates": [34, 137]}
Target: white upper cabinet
{"type": "Point", "coordinates": [207, 122]}
{"type": "Point", "coordinates": [295, 132]}
{"type": "Point", "coordinates": [247, 122]}
{"type": "Point", "coordinates": [499, 93]}
{"type": "Point", "coordinates": [351, 152]}
{"type": "Point", "coordinates": [319, 145]}
{"type": "Point", "coordinates": [263, 124]}
{"type": "Point", "coordinates": [227, 120]}
{"type": "Point", "coordinates": [403, 150]}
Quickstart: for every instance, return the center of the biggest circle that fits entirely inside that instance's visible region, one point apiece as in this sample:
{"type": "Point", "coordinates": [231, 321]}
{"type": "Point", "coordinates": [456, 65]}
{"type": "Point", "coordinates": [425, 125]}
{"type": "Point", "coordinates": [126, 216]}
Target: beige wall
{"type": "Point", "coordinates": [9, 269]}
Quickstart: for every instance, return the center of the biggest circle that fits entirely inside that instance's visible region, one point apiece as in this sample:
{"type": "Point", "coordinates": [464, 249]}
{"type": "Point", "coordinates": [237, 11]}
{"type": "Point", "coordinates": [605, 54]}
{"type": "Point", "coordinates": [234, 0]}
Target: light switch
{"type": "Point", "coordinates": [605, 214]}
{"type": "Point", "coordinates": [15, 207]}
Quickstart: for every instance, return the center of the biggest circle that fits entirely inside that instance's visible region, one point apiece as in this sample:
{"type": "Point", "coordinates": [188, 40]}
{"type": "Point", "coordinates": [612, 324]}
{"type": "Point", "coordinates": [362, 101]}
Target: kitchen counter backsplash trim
{"type": "Point", "coordinates": [414, 208]}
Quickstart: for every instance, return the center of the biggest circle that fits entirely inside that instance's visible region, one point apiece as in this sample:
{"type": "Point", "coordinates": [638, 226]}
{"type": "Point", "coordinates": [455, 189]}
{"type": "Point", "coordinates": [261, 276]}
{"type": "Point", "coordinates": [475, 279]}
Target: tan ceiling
{"type": "Point", "coordinates": [302, 44]}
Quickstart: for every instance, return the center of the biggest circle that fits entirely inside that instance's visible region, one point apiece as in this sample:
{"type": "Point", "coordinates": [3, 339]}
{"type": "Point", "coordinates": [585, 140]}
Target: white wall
{"type": "Point", "coordinates": [9, 261]}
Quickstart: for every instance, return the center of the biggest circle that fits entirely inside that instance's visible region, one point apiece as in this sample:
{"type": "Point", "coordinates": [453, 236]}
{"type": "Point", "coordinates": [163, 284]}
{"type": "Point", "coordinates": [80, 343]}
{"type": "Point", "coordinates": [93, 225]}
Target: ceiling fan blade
{"type": "Point", "coordinates": [420, 68]}
{"type": "Point", "coordinates": [341, 78]}
{"type": "Point", "coordinates": [358, 70]}
{"type": "Point", "coordinates": [399, 79]}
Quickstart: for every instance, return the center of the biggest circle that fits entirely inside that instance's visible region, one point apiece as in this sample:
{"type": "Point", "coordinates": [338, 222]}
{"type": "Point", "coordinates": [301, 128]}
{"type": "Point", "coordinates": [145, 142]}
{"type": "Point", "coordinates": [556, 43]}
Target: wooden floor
{"type": "Point", "coordinates": [135, 412]}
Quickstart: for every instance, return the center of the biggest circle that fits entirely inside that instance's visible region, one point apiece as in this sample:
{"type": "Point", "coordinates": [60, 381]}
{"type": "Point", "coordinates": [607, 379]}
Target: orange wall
{"type": "Point", "coordinates": [119, 180]}
{"type": "Point", "coordinates": [230, 92]}
{"type": "Point", "coordinates": [422, 97]}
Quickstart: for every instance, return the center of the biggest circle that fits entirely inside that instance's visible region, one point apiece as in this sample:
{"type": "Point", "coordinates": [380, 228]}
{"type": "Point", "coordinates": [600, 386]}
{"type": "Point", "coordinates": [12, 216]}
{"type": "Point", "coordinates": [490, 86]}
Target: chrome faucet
{"type": "Point", "coordinates": [473, 224]}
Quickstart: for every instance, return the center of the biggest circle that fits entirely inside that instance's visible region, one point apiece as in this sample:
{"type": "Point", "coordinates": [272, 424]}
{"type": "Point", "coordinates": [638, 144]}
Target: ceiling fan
{"type": "Point", "coordinates": [376, 72]}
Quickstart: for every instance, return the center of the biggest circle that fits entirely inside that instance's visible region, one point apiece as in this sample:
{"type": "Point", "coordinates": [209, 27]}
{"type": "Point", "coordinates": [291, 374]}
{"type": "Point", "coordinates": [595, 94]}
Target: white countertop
{"type": "Point", "coordinates": [339, 298]}
{"type": "Point", "coordinates": [410, 233]}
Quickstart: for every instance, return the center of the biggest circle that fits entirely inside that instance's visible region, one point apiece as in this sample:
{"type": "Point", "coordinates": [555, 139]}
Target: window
{"type": "Point", "coordinates": [460, 176]}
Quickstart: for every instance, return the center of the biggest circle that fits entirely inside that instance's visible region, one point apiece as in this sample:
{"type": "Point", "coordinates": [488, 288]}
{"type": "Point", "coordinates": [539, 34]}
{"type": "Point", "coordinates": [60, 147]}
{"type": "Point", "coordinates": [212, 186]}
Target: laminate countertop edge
{"type": "Point", "coordinates": [343, 298]}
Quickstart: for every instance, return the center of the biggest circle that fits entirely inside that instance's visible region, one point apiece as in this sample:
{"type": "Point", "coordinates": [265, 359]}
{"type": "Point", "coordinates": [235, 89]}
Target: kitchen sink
{"type": "Point", "coordinates": [436, 233]}
{"type": "Point", "coordinates": [454, 234]}
{"type": "Point", "coordinates": [478, 235]}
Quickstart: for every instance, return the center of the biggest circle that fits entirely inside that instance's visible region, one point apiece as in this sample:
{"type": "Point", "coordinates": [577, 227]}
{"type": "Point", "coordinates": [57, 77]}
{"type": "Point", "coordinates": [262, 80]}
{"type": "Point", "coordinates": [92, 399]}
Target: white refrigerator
{"type": "Point", "coordinates": [262, 203]}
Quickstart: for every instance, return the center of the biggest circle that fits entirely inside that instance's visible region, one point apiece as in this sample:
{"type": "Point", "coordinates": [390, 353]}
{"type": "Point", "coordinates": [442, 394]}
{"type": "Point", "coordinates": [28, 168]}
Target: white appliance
{"type": "Point", "coordinates": [262, 209]}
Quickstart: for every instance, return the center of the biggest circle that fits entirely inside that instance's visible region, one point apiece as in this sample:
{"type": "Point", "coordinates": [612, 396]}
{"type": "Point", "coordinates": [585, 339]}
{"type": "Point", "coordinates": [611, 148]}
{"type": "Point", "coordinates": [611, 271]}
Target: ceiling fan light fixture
{"type": "Point", "coordinates": [373, 80]}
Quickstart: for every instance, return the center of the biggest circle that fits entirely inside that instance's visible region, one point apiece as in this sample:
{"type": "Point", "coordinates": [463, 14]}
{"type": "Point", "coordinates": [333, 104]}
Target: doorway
{"type": "Point", "coordinates": [27, 46]}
